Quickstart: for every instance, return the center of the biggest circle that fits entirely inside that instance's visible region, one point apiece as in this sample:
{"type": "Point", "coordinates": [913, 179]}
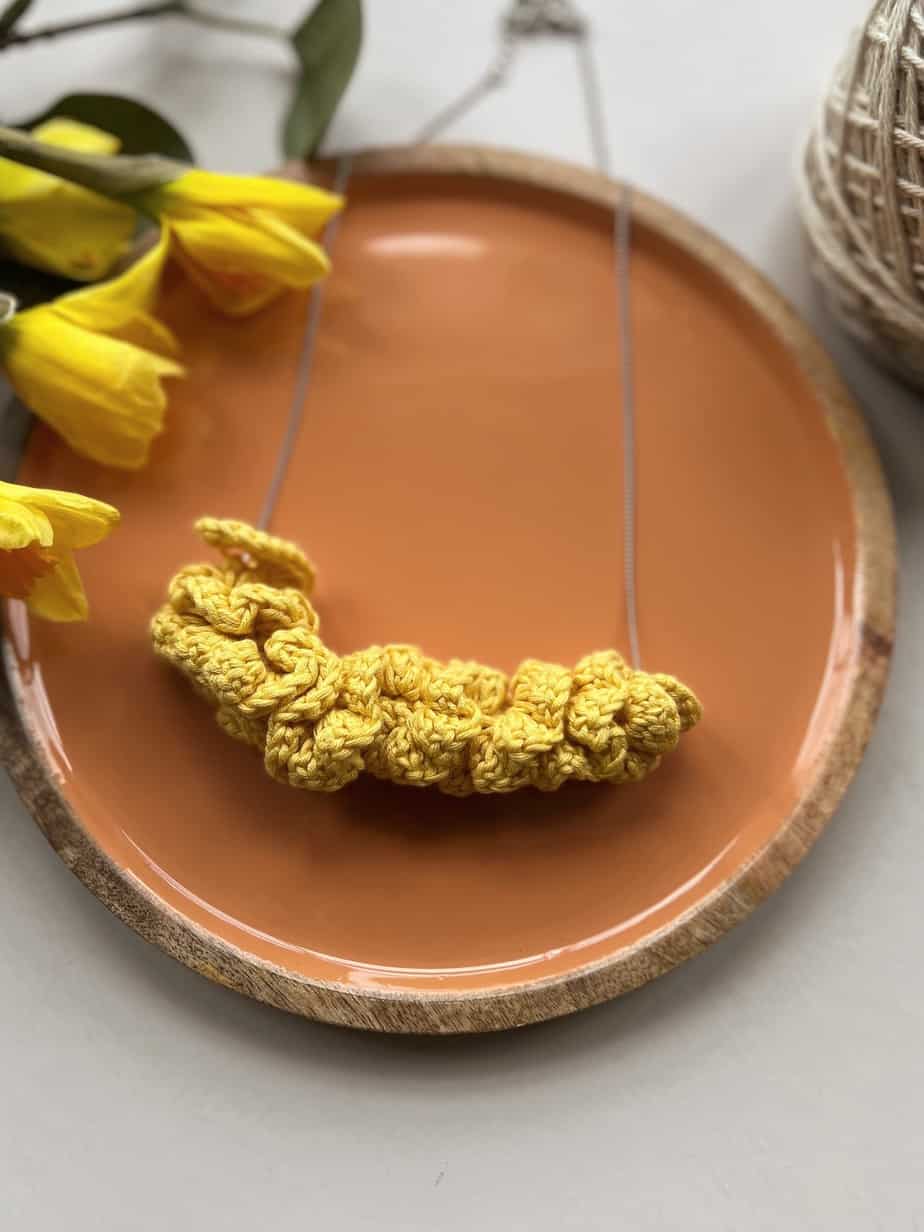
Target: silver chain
{"type": "Point", "coordinates": [524, 20]}
{"type": "Point", "coordinates": [306, 355]}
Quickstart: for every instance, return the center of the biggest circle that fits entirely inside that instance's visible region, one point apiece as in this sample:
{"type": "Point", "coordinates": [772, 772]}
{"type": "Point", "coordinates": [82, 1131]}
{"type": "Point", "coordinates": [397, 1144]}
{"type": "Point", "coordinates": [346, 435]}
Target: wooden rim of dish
{"type": "Point", "coordinates": [413, 1011]}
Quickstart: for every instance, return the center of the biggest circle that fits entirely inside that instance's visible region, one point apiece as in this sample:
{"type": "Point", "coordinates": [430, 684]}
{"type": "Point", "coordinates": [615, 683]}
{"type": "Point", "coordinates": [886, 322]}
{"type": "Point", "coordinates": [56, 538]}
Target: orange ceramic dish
{"type": "Point", "coordinates": [457, 482]}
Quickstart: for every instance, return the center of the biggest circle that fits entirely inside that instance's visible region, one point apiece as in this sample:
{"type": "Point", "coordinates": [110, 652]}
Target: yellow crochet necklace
{"type": "Point", "coordinates": [245, 633]}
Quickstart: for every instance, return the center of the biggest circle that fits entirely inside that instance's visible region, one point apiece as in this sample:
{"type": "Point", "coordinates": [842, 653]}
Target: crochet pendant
{"type": "Point", "coordinates": [245, 633]}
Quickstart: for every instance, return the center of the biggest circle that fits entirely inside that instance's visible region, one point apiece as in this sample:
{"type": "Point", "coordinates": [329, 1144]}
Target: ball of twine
{"type": "Point", "coordinates": [861, 188]}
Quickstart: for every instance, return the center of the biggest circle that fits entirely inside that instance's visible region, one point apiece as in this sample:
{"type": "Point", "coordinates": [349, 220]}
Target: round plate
{"type": "Point", "coordinates": [457, 482]}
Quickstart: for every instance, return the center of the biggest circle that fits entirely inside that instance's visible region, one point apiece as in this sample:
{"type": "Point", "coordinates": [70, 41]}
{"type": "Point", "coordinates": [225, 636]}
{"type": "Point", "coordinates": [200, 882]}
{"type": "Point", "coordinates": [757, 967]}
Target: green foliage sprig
{"type": "Point", "coordinates": [325, 47]}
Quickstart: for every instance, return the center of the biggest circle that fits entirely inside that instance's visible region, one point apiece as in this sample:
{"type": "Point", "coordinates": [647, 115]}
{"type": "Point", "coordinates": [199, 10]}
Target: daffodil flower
{"type": "Point", "coordinates": [39, 531]}
{"type": "Point", "coordinates": [243, 239]}
{"type": "Point", "coordinates": [92, 363]}
{"type": "Point", "coordinates": [54, 225]}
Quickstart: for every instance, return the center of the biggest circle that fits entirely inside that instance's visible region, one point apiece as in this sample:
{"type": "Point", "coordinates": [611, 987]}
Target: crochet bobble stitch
{"type": "Point", "coordinates": [247, 637]}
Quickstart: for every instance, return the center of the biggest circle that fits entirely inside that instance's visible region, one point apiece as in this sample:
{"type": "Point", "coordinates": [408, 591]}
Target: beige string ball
{"type": "Point", "coordinates": [861, 187]}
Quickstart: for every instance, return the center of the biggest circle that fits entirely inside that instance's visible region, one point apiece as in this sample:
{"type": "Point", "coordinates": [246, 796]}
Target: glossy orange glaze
{"type": "Point", "coordinates": [457, 483]}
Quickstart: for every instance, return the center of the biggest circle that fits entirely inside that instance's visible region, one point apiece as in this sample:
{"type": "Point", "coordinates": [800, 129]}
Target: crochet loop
{"type": "Point", "coordinates": [246, 635]}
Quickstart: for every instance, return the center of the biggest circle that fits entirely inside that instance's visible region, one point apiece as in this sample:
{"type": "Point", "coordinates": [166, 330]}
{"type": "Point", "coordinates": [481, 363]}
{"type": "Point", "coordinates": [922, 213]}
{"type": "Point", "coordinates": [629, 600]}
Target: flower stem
{"type": "Point", "coordinates": [91, 23]}
{"type": "Point", "coordinates": [121, 176]}
{"type": "Point", "coordinates": [165, 8]}
{"type": "Point", "coordinates": [240, 25]}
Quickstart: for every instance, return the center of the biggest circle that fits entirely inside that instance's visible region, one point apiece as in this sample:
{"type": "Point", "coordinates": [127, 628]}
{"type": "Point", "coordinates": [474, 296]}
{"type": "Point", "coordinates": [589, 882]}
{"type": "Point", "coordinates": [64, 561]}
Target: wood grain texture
{"type": "Point", "coordinates": [687, 935]}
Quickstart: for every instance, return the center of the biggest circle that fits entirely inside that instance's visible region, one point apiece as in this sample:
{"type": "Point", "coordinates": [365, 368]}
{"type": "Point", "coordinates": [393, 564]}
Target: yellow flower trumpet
{"type": "Point", "coordinates": [243, 239]}
{"type": "Point", "coordinates": [39, 531]}
{"type": "Point", "coordinates": [54, 225]}
{"type": "Point", "coordinates": [92, 363]}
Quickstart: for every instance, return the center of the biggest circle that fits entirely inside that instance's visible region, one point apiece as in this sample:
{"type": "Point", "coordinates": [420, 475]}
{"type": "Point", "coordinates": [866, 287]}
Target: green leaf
{"type": "Point", "coordinates": [327, 44]}
{"type": "Point", "coordinates": [11, 15]}
{"type": "Point", "coordinates": [141, 130]}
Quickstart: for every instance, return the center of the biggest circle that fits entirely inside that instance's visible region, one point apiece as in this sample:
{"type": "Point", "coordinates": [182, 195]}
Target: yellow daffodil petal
{"type": "Point", "coordinates": [243, 239]}
{"type": "Point", "coordinates": [75, 135]}
{"type": "Point", "coordinates": [59, 594]}
{"type": "Point", "coordinates": [103, 395]}
{"type": "Point", "coordinates": [39, 528]}
{"type": "Point", "coordinates": [141, 329]}
{"type": "Point", "coordinates": [136, 286]}
{"type": "Point", "coordinates": [65, 230]}
{"type": "Point", "coordinates": [248, 245]}
{"type": "Point", "coordinates": [304, 206]}
{"type": "Point", "coordinates": [21, 525]}
{"type": "Point", "coordinates": [121, 307]}
{"type": "Point", "coordinates": [72, 520]}
{"type": "Point", "coordinates": [236, 295]}
{"type": "Point", "coordinates": [74, 238]}
{"type": "Point", "coordinates": [279, 230]}
{"type": "Point", "coordinates": [51, 224]}
{"type": "Point", "coordinates": [242, 260]}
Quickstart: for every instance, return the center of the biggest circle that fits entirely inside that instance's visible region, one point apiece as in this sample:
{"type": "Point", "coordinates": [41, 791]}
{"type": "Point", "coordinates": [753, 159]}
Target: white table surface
{"type": "Point", "coordinates": [774, 1083]}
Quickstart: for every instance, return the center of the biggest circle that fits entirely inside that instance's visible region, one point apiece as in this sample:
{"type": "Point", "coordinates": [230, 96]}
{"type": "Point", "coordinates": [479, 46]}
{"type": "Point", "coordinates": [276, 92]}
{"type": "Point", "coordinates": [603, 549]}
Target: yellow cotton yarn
{"type": "Point", "coordinates": [246, 635]}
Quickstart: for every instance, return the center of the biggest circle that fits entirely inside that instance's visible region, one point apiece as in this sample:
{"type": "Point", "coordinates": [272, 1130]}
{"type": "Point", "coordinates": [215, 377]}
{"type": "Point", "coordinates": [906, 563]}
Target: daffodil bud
{"type": "Point", "coordinates": [52, 224]}
{"type": "Point", "coordinates": [243, 239]}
